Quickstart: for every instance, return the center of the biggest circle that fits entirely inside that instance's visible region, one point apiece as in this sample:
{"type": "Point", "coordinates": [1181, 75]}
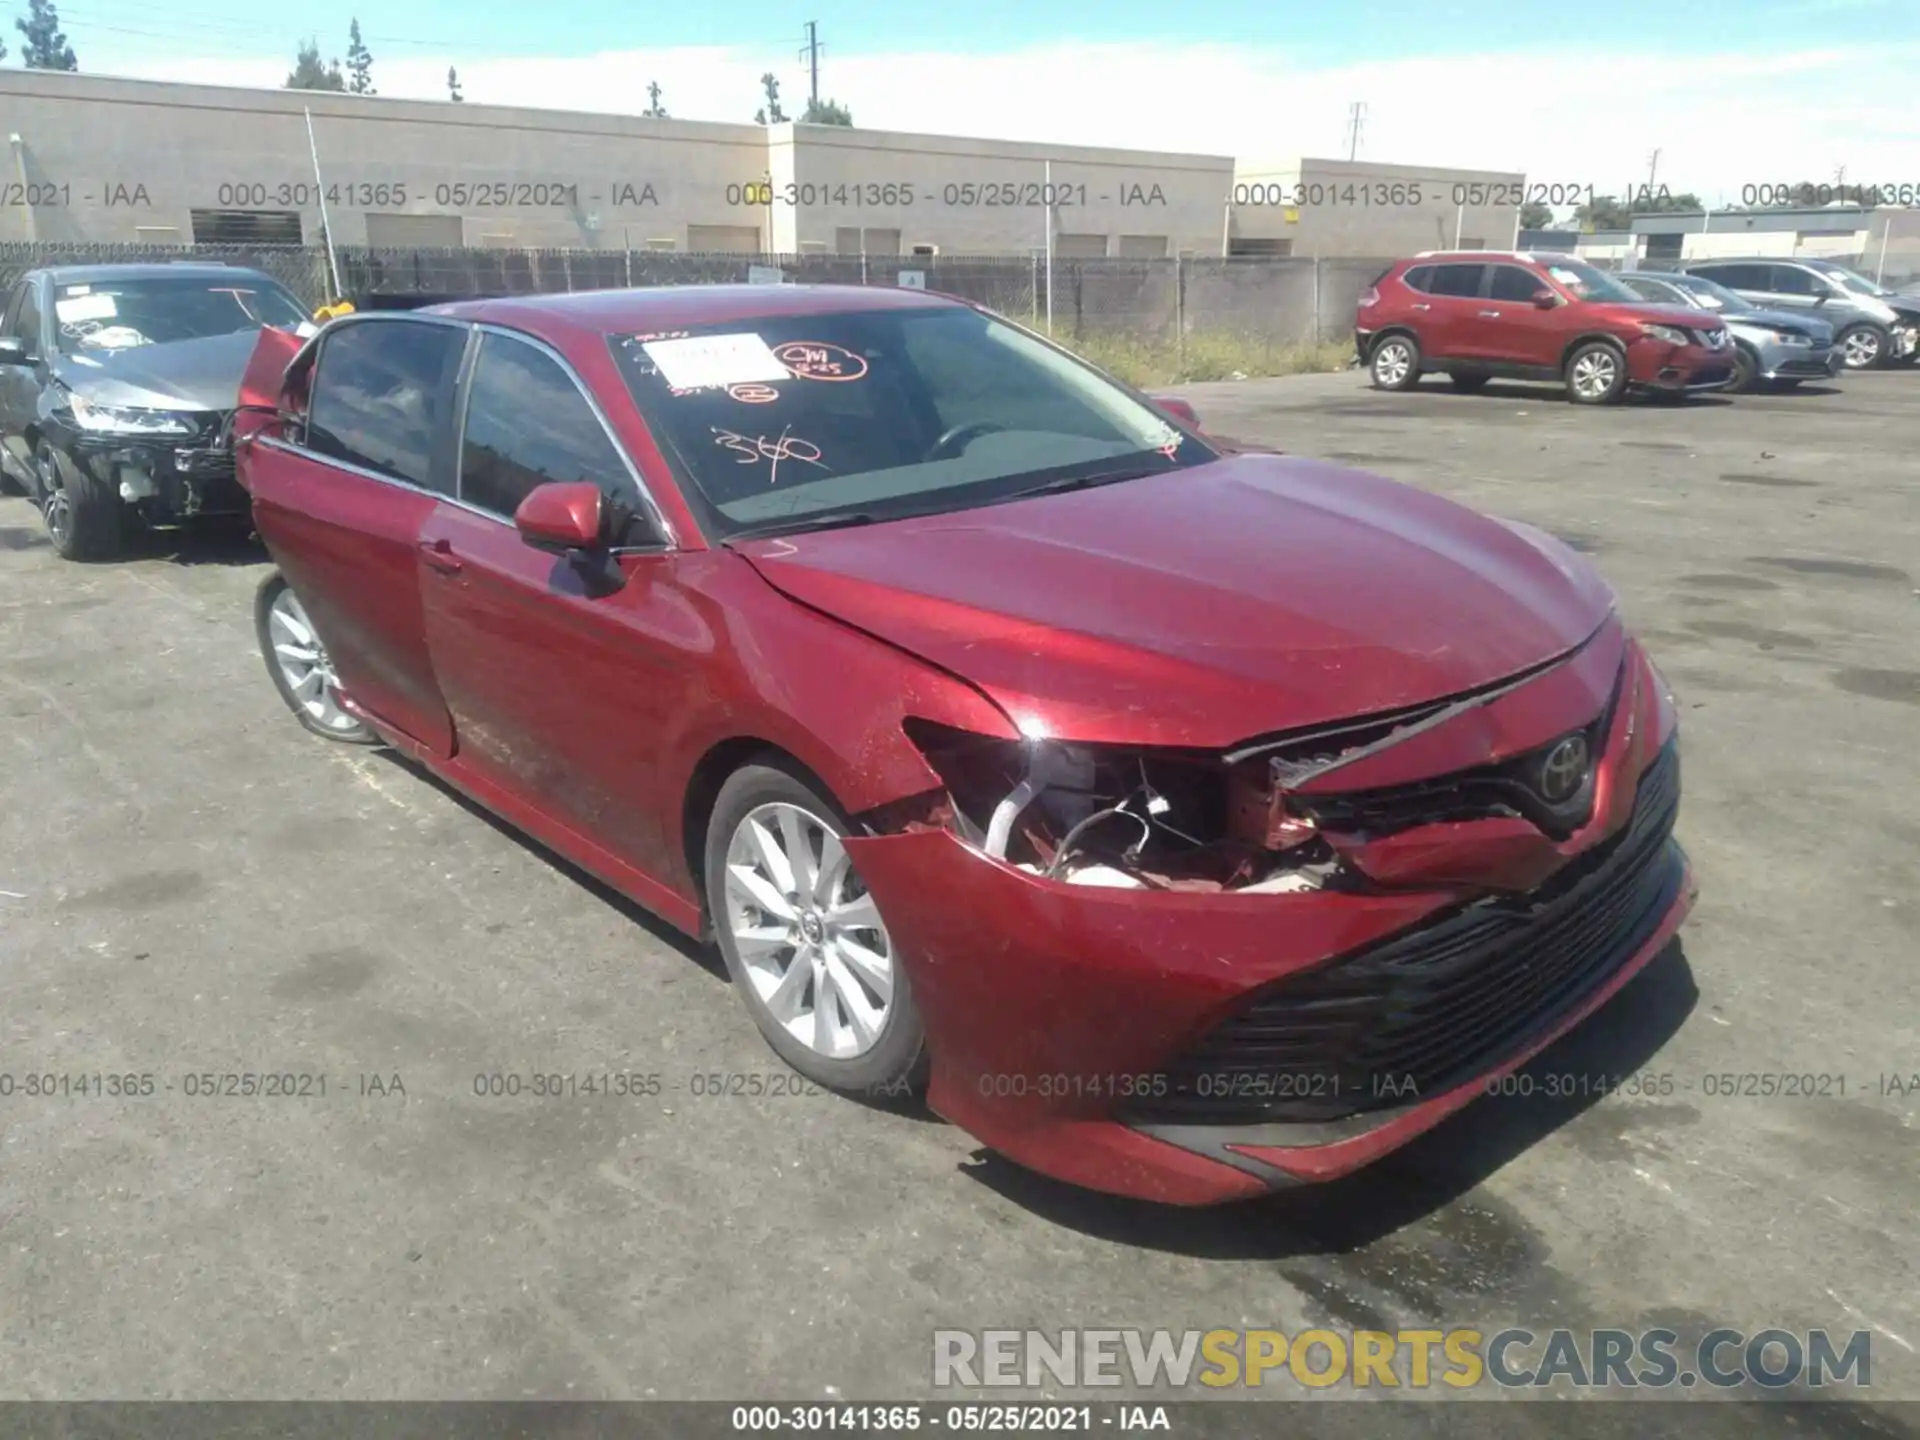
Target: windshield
{"type": "Point", "coordinates": [1716, 295]}
{"type": "Point", "coordinates": [876, 414]}
{"type": "Point", "coordinates": [120, 314]}
{"type": "Point", "coordinates": [1859, 284]}
{"type": "Point", "coordinates": [1585, 282]}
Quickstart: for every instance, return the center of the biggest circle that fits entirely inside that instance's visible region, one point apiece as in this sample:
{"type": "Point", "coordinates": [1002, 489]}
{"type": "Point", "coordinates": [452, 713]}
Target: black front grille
{"type": "Point", "coordinates": [1414, 1015]}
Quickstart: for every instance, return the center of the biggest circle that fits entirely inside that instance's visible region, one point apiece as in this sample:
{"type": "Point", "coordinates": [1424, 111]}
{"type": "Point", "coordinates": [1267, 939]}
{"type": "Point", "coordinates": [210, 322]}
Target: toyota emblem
{"type": "Point", "coordinates": [1564, 770]}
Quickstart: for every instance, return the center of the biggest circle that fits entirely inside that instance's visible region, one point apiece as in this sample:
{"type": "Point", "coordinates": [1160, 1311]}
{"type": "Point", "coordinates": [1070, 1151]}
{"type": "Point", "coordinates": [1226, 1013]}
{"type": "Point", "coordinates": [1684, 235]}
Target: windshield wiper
{"type": "Point", "coordinates": [824, 520]}
{"type": "Point", "coordinates": [1083, 482]}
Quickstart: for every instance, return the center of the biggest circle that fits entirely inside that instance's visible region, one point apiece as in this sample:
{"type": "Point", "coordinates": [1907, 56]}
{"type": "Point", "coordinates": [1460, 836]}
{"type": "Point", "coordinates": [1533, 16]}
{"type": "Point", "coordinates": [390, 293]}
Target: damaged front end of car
{"type": "Point", "coordinates": [1248, 967]}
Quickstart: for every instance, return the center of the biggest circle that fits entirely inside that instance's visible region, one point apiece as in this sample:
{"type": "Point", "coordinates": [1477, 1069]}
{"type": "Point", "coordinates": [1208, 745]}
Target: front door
{"type": "Point", "coordinates": [20, 384]}
{"type": "Point", "coordinates": [344, 504]}
{"type": "Point", "coordinates": [559, 691]}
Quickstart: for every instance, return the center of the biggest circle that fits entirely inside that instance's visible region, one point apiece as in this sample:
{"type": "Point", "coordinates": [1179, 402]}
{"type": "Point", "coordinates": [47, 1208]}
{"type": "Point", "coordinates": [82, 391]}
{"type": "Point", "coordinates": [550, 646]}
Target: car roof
{"type": "Point", "coordinates": [1453, 257]}
{"type": "Point", "coordinates": [669, 307]}
{"type": "Point", "coordinates": [159, 270]}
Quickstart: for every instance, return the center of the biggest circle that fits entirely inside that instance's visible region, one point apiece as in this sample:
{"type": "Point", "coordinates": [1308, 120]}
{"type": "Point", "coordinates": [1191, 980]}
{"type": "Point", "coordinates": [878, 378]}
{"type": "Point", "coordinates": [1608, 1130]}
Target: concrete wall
{"type": "Point", "coordinates": [130, 160]}
{"type": "Point", "coordinates": [1347, 207]}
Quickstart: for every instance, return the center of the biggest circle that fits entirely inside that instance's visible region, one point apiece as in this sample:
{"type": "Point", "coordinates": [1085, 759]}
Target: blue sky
{"type": "Point", "coordinates": [1731, 94]}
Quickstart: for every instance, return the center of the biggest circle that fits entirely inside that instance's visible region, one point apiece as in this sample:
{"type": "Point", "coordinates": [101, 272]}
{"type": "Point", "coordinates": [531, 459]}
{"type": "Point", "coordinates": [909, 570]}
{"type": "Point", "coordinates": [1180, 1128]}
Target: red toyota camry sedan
{"type": "Point", "coordinates": [1187, 823]}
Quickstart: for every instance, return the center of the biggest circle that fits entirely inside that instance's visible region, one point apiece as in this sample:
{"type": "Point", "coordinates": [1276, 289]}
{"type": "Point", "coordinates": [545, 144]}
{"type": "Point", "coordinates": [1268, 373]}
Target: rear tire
{"type": "Point", "coordinates": [1395, 363]}
{"type": "Point", "coordinates": [782, 894]}
{"type": "Point", "coordinates": [1596, 374]}
{"type": "Point", "coordinates": [299, 666]}
{"type": "Point", "coordinates": [1470, 382]}
{"type": "Point", "coordinates": [84, 519]}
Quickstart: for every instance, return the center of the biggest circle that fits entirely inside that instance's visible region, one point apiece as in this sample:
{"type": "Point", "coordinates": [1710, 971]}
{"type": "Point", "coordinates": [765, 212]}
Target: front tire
{"type": "Point", "coordinates": [1596, 374]}
{"type": "Point", "coordinates": [84, 519]}
{"type": "Point", "coordinates": [803, 938]}
{"type": "Point", "coordinates": [299, 665]}
{"type": "Point", "coordinates": [1864, 347]}
{"type": "Point", "coordinates": [1395, 364]}
{"type": "Point", "coordinates": [1745, 371]}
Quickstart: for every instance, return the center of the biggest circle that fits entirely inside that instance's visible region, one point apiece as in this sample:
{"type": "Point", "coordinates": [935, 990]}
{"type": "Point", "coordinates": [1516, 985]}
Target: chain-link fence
{"type": "Point", "coordinates": [1196, 318]}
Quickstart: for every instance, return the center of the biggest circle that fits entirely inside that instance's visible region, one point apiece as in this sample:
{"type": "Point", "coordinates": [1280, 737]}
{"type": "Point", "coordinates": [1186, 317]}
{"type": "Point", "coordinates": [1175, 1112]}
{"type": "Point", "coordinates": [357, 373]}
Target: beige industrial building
{"type": "Point", "coordinates": [101, 159]}
{"type": "Point", "coordinates": [1359, 207]}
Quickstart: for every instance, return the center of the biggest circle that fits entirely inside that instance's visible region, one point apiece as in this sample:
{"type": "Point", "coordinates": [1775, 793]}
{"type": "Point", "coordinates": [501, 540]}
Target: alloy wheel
{"type": "Point", "coordinates": [1594, 373]}
{"type": "Point", "coordinates": [1390, 366]}
{"type": "Point", "coordinates": [303, 664]}
{"type": "Point", "coordinates": [1861, 348]}
{"type": "Point", "coordinates": [56, 506]}
{"type": "Point", "coordinates": [808, 934]}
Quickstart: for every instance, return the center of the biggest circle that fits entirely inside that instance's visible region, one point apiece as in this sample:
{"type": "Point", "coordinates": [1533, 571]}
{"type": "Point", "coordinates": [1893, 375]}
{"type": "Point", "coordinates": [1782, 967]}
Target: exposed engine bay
{"type": "Point", "coordinates": [1238, 821]}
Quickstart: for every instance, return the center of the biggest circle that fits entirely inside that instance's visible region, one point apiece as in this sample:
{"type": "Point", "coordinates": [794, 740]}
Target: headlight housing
{"type": "Point", "coordinates": [125, 419]}
{"type": "Point", "coordinates": [1788, 337]}
{"type": "Point", "coordinates": [1672, 334]}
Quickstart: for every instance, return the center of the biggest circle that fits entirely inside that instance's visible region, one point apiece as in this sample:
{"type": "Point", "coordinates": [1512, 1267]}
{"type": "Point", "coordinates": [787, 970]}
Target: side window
{"type": "Point", "coordinates": [1420, 277]}
{"type": "Point", "coordinates": [23, 318]}
{"type": "Point", "coordinates": [1463, 280]}
{"type": "Point", "coordinates": [382, 394]}
{"type": "Point", "coordinates": [527, 426]}
{"type": "Point", "coordinates": [1736, 277]}
{"type": "Point", "coordinates": [1510, 282]}
{"type": "Point", "coordinates": [1792, 280]}
{"type": "Point", "coordinates": [1653, 290]}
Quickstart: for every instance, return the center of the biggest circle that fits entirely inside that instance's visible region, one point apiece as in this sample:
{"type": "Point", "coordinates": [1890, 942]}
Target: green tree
{"type": "Point", "coordinates": [770, 113]}
{"type": "Point", "coordinates": [309, 73]}
{"type": "Point", "coordinates": [359, 63]}
{"type": "Point", "coordinates": [1603, 212]}
{"type": "Point", "coordinates": [1659, 202]}
{"type": "Point", "coordinates": [1536, 216]}
{"type": "Point", "coordinates": [453, 85]}
{"type": "Point", "coordinates": [826, 112]}
{"type": "Point", "coordinates": [46, 47]}
{"type": "Point", "coordinates": [655, 110]}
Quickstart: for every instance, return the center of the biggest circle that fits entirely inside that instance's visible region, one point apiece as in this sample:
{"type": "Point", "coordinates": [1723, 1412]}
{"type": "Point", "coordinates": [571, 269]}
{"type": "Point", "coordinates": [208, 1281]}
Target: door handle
{"type": "Point", "coordinates": [1419, 307]}
{"type": "Point", "coordinates": [1489, 314]}
{"type": "Point", "coordinates": [439, 554]}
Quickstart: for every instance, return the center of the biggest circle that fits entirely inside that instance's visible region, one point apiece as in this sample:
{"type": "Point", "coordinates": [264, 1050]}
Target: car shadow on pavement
{"type": "Point", "coordinates": [212, 542]}
{"type": "Point", "coordinates": [702, 955]}
{"type": "Point", "coordinates": [1429, 1174]}
{"type": "Point", "coordinates": [1513, 390]}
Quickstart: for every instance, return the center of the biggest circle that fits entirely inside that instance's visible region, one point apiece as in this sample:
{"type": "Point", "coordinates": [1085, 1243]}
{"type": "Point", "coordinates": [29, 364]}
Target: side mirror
{"type": "Point", "coordinates": [13, 351]}
{"type": "Point", "coordinates": [1544, 299]}
{"type": "Point", "coordinates": [564, 518]}
{"type": "Point", "coordinates": [1179, 410]}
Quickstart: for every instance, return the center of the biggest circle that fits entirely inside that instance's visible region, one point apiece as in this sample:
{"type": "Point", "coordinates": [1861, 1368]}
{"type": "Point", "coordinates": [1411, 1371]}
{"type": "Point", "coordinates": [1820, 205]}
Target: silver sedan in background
{"type": "Point", "coordinates": [1773, 347]}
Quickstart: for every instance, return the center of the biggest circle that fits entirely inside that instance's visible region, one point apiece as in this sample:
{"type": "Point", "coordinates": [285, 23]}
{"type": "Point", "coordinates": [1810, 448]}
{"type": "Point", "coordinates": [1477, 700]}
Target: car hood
{"type": "Point", "coordinates": [1798, 322]}
{"type": "Point", "coordinates": [178, 375]}
{"type": "Point", "coordinates": [1684, 316]}
{"type": "Point", "coordinates": [1253, 594]}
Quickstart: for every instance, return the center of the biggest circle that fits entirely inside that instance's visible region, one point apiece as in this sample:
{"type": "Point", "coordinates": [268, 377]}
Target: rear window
{"type": "Point", "coordinates": [883, 413]}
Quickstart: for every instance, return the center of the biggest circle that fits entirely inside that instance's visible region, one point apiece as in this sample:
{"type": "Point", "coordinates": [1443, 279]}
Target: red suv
{"type": "Point", "coordinates": [1476, 314]}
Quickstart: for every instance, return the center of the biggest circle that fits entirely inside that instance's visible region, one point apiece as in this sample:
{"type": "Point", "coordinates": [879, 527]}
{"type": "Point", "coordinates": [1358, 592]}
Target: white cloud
{"type": "Point", "coordinates": [1720, 121]}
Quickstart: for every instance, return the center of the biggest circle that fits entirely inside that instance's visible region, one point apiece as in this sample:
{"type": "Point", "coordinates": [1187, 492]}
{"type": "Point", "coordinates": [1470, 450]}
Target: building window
{"type": "Point", "coordinates": [926, 251]}
{"type": "Point", "coordinates": [1664, 247]}
{"type": "Point", "coordinates": [158, 234]}
{"type": "Point", "coordinates": [245, 227]}
{"type": "Point", "coordinates": [1143, 247]}
{"type": "Point", "coordinates": [660, 242]}
{"type": "Point", "coordinates": [1249, 247]}
{"type": "Point", "coordinates": [882, 242]}
{"type": "Point", "coordinates": [1080, 247]}
{"type": "Point", "coordinates": [724, 239]}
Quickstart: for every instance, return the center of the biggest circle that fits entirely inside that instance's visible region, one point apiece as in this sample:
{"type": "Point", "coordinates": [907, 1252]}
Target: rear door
{"type": "Point", "coordinates": [1453, 291]}
{"type": "Point", "coordinates": [343, 502]}
{"type": "Point", "coordinates": [1790, 287]}
{"type": "Point", "coordinates": [559, 693]}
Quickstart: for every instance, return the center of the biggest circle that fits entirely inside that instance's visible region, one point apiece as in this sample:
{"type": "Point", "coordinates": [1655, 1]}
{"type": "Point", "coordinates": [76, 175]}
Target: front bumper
{"type": "Point", "coordinates": [1657, 365]}
{"type": "Point", "coordinates": [167, 479]}
{"type": "Point", "coordinates": [1072, 1028]}
{"type": "Point", "coordinates": [1798, 362]}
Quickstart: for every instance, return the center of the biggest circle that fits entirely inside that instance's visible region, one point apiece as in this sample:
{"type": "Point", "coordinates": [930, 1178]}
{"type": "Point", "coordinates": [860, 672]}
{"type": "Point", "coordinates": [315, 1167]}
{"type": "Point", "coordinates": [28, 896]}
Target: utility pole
{"type": "Point", "coordinates": [1653, 169]}
{"type": "Point", "coordinates": [812, 56]}
{"type": "Point", "coordinates": [1356, 121]}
